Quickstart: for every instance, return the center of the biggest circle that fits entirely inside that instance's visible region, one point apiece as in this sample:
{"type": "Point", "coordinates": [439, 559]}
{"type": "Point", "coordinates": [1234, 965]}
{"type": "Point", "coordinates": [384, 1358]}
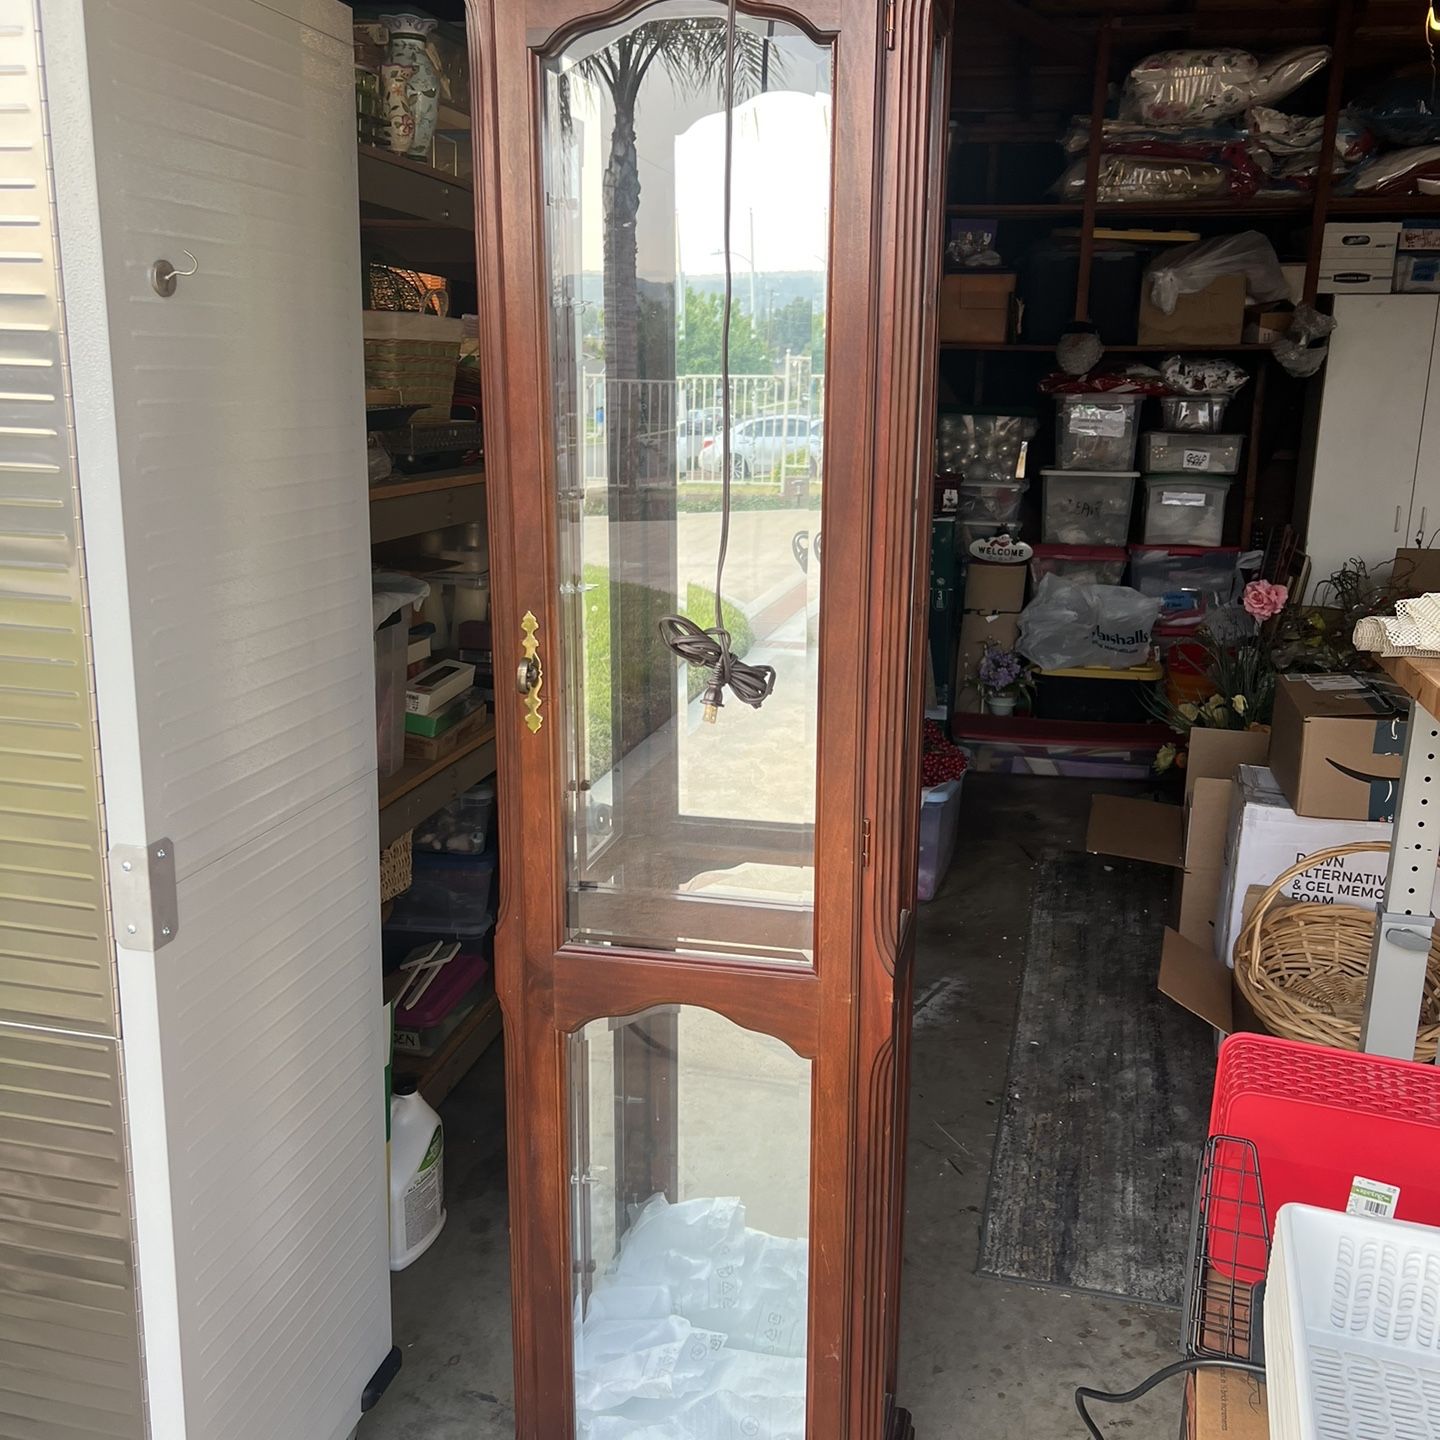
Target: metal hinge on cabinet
{"type": "Point", "coordinates": [864, 843]}
{"type": "Point", "coordinates": [142, 895]}
{"type": "Point", "coordinates": [889, 24]}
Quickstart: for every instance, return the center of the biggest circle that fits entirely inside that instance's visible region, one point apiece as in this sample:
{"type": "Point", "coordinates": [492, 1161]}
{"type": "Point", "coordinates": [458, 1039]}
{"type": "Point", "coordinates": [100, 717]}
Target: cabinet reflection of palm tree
{"type": "Point", "coordinates": [640, 344]}
{"type": "Point", "coordinates": [640, 338]}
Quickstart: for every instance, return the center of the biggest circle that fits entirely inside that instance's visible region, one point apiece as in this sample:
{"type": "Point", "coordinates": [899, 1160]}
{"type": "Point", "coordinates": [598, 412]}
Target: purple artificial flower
{"type": "Point", "coordinates": [1000, 670]}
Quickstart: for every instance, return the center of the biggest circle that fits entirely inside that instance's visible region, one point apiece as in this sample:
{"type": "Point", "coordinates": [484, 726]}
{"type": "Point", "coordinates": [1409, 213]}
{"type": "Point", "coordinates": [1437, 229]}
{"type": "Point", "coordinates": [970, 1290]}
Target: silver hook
{"type": "Point", "coordinates": [163, 275]}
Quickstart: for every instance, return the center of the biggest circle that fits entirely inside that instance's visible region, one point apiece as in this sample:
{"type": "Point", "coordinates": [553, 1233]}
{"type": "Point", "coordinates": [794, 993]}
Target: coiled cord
{"type": "Point", "coordinates": [750, 684]}
{"type": "Point", "coordinates": [1125, 1397]}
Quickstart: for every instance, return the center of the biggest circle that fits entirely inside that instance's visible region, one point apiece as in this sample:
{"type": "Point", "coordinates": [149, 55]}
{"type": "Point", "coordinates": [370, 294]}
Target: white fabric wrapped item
{"type": "Point", "coordinates": [1414, 630]}
{"type": "Point", "coordinates": [1190, 268]}
{"type": "Point", "coordinates": [696, 1330]}
{"type": "Point", "coordinates": [1186, 87]}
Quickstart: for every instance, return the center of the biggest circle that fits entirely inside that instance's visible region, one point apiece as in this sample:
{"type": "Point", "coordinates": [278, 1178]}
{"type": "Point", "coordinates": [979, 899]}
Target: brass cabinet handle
{"type": "Point", "coordinates": [530, 673]}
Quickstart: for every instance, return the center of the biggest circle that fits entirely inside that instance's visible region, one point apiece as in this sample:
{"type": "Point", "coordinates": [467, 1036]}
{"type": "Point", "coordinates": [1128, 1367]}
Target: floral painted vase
{"type": "Point", "coordinates": [410, 85]}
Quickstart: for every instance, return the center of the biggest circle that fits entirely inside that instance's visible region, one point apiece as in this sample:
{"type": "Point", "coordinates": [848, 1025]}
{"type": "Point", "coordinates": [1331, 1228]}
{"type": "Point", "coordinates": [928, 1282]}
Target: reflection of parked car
{"type": "Point", "coordinates": [759, 446]}
{"type": "Point", "coordinates": [691, 436]}
{"type": "Point", "coordinates": [817, 446]}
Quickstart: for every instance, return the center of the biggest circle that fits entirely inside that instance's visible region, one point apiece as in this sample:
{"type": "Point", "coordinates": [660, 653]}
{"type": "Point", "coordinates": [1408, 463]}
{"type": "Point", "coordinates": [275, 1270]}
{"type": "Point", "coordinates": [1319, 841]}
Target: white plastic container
{"type": "Point", "coordinates": [1185, 509]}
{"type": "Point", "coordinates": [1096, 432]}
{"type": "Point", "coordinates": [1352, 1333]}
{"type": "Point", "coordinates": [417, 1175]}
{"type": "Point", "coordinates": [1087, 507]}
{"type": "Point", "coordinates": [939, 830]}
{"type": "Point", "coordinates": [986, 502]}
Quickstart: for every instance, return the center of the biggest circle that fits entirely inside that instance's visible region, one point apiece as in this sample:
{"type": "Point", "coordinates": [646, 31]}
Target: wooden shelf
{"type": "Point", "coordinates": [984, 210]}
{"type": "Point", "coordinates": [415, 167]}
{"type": "Point", "coordinates": [402, 508]}
{"type": "Point", "coordinates": [1397, 207]}
{"type": "Point", "coordinates": [439, 1073]}
{"type": "Point", "coordinates": [984, 347]}
{"type": "Point", "coordinates": [420, 787]}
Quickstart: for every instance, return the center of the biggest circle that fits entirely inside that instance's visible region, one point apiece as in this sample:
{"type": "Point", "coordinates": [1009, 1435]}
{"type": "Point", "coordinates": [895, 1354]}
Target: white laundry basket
{"type": "Point", "coordinates": [1352, 1328]}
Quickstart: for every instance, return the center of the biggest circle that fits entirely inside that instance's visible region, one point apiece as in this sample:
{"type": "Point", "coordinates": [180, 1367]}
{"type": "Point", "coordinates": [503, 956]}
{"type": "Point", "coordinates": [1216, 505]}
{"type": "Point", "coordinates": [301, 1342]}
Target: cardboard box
{"type": "Point", "coordinates": [975, 306]}
{"type": "Point", "coordinates": [1225, 1405]}
{"type": "Point", "coordinates": [1267, 326]}
{"type": "Point", "coordinates": [1265, 836]}
{"type": "Point", "coordinates": [1417, 274]}
{"type": "Point", "coordinates": [1417, 572]}
{"type": "Point", "coordinates": [1374, 279]}
{"type": "Point", "coordinates": [991, 603]}
{"type": "Point", "coordinates": [1189, 839]}
{"type": "Point", "coordinates": [1337, 744]}
{"type": "Point", "coordinates": [1212, 316]}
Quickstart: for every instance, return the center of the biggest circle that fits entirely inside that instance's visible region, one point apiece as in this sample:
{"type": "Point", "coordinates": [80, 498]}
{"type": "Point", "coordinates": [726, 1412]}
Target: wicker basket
{"type": "Point", "coordinates": [1303, 967]}
{"type": "Point", "coordinates": [395, 869]}
{"type": "Point", "coordinates": [416, 355]}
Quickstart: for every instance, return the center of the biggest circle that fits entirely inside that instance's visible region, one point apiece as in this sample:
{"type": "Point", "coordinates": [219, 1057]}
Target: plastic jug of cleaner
{"type": "Point", "coordinates": [417, 1174]}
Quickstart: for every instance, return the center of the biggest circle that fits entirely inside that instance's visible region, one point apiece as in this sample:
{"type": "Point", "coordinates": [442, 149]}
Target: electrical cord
{"type": "Point", "coordinates": [1125, 1397]}
{"type": "Point", "coordinates": [750, 684]}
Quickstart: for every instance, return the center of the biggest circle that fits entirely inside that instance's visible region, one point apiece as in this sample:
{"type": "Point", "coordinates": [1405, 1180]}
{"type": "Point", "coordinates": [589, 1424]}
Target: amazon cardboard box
{"type": "Point", "coordinates": [1188, 838]}
{"type": "Point", "coordinates": [1225, 1405]}
{"type": "Point", "coordinates": [991, 603]}
{"type": "Point", "coordinates": [1337, 744]}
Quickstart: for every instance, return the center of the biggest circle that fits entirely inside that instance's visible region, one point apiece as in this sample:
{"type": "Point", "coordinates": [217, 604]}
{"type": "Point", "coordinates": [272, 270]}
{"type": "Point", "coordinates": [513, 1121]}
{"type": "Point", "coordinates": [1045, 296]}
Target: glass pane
{"type": "Point", "coordinates": [690, 1139]}
{"type": "Point", "coordinates": [683, 835]}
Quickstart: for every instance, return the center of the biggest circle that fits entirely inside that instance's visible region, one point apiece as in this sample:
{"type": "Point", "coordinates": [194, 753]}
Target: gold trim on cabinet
{"type": "Point", "coordinates": [531, 675]}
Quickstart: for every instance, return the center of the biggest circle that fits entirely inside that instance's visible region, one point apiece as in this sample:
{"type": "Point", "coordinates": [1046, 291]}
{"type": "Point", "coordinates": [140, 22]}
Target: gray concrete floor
{"type": "Point", "coordinates": [980, 1357]}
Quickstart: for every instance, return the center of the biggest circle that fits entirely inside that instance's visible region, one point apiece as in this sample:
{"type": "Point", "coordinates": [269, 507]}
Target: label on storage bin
{"type": "Point", "coordinates": [1108, 421]}
{"type": "Point", "coordinates": [1183, 497]}
{"type": "Point", "coordinates": [1372, 1197]}
{"type": "Point", "coordinates": [1195, 460]}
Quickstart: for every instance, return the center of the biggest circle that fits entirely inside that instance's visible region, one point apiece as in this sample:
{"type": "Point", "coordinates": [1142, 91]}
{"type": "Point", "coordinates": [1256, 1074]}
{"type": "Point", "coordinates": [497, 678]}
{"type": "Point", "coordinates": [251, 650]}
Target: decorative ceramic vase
{"type": "Point", "coordinates": [410, 85]}
{"type": "Point", "coordinates": [1000, 704]}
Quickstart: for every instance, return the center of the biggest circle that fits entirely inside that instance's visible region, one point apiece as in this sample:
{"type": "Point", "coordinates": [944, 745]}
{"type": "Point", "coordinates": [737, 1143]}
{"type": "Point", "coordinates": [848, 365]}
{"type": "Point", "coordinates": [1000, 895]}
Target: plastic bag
{"type": "Point", "coordinates": [1203, 375]}
{"type": "Point", "coordinates": [1187, 87]}
{"type": "Point", "coordinates": [1191, 268]}
{"type": "Point", "coordinates": [1125, 178]}
{"type": "Point", "coordinates": [1068, 625]}
{"type": "Point", "coordinates": [1397, 171]}
{"type": "Point", "coordinates": [1302, 349]}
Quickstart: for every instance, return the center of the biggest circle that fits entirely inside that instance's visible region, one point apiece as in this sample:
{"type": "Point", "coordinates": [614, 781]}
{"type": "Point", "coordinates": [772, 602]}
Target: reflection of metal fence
{"type": "Point", "coordinates": [680, 416]}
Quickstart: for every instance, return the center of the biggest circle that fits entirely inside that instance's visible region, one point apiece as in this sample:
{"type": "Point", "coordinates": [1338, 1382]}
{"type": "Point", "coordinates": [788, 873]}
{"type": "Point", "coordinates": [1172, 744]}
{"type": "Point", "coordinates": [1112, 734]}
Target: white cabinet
{"type": "Point", "coordinates": [1377, 448]}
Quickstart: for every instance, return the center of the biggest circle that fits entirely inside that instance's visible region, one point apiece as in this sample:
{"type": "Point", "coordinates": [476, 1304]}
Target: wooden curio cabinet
{"type": "Point", "coordinates": [704, 949]}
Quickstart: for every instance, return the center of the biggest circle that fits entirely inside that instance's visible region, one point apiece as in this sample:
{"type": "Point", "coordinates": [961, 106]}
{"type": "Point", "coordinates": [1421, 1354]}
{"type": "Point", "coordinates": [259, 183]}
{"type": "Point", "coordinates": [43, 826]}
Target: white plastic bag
{"type": "Point", "coordinates": [1188, 87]}
{"type": "Point", "coordinates": [1192, 267]}
{"type": "Point", "coordinates": [1068, 625]}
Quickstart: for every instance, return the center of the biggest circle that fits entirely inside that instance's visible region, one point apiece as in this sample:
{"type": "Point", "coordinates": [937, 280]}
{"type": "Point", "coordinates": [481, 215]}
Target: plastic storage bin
{"type": "Point", "coordinates": [939, 829]}
{"type": "Point", "coordinates": [987, 502]}
{"type": "Point", "coordinates": [1081, 564]}
{"type": "Point", "coordinates": [1112, 697]}
{"type": "Point", "coordinates": [1194, 414]}
{"type": "Point", "coordinates": [463, 826]}
{"type": "Point", "coordinates": [1087, 507]}
{"type": "Point", "coordinates": [1184, 510]}
{"type": "Point", "coordinates": [390, 646]}
{"type": "Point", "coordinates": [1350, 1328]}
{"type": "Point", "coordinates": [470, 879]}
{"type": "Point", "coordinates": [1096, 432]}
{"type": "Point", "coordinates": [1171, 452]}
{"type": "Point", "coordinates": [983, 445]}
{"type": "Point", "coordinates": [1378, 1117]}
{"type": "Point", "coordinates": [1188, 579]}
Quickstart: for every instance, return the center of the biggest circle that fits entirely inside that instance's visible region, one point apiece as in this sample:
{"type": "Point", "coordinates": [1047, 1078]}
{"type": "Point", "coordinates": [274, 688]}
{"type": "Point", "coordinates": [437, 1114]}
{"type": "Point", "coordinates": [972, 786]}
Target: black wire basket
{"type": "Point", "coordinates": [1229, 1255]}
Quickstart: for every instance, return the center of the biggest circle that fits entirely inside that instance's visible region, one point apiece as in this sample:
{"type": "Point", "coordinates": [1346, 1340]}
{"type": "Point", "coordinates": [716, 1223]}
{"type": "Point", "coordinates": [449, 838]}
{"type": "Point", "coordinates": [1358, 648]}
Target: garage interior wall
{"type": "Point", "coordinates": [69, 1340]}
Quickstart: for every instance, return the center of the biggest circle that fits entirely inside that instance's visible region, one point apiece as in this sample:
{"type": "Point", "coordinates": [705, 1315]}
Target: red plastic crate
{"type": "Point", "coordinates": [1320, 1117]}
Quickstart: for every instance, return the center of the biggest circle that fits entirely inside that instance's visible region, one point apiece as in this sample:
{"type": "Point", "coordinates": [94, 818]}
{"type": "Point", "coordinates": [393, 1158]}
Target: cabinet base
{"type": "Point", "coordinates": [899, 1426]}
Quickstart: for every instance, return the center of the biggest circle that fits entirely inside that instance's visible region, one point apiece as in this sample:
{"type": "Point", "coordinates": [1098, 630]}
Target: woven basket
{"type": "Point", "coordinates": [1304, 967]}
{"type": "Point", "coordinates": [395, 870]}
{"type": "Point", "coordinates": [416, 355]}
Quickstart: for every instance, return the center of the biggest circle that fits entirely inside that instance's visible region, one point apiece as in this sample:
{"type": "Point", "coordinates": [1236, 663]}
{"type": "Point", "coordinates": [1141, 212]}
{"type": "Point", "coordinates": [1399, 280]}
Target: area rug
{"type": "Point", "coordinates": [1108, 1095]}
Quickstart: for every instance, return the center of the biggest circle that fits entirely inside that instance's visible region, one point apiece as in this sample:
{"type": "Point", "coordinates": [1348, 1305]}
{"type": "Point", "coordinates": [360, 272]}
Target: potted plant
{"type": "Point", "coordinates": [1004, 677]}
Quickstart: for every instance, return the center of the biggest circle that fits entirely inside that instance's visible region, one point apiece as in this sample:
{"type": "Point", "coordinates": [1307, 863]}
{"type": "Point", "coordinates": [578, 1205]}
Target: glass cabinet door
{"type": "Point", "coordinates": [682, 835]}
{"type": "Point", "coordinates": [696, 949]}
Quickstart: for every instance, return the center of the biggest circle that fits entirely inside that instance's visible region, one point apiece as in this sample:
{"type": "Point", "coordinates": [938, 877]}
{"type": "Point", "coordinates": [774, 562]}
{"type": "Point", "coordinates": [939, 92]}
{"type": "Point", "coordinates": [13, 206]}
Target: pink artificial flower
{"type": "Point", "coordinates": [1263, 600]}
